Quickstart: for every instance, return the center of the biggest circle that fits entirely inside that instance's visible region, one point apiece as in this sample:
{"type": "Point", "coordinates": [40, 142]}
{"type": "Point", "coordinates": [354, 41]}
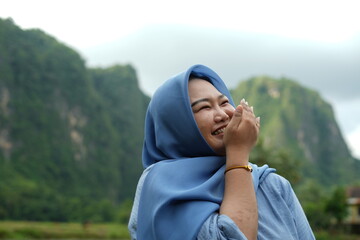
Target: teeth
{"type": "Point", "coordinates": [221, 130]}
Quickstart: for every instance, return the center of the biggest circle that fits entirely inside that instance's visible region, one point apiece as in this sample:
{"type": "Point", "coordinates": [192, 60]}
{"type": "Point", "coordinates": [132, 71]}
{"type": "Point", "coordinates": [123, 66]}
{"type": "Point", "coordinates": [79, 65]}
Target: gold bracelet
{"type": "Point", "coordinates": [246, 167]}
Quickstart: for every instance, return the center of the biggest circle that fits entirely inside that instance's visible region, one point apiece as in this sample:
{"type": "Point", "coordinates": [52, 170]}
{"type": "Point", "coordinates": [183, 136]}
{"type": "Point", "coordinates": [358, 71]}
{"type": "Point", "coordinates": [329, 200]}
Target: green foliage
{"type": "Point", "coordinates": [49, 230]}
{"type": "Point", "coordinates": [124, 211]}
{"type": "Point", "coordinates": [323, 235]}
{"type": "Point", "coordinates": [284, 163]}
{"type": "Point", "coordinates": [70, 137]}
{"type": "Point", "coordinates": [313, 199]}
{"type": "Point", "coordinates": [337, 205]}
{"type": "Point", "coordinates": [325, 209]}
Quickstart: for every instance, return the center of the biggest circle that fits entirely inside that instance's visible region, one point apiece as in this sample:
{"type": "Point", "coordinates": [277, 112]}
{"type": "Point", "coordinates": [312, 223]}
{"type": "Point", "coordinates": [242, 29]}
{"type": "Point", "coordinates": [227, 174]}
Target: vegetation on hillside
{"type": "Point", "coordinates": [298, 122]}
{"type": "Point", "coordinates": [70, 137]}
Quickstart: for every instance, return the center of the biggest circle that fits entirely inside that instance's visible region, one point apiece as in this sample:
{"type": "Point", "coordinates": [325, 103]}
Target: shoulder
{"type": "Point", "coordinates": [277, 184]}
{"type": "Point", "coordinates": [143, 176]}
{"type": "Point", "coordinates": [276, 179]}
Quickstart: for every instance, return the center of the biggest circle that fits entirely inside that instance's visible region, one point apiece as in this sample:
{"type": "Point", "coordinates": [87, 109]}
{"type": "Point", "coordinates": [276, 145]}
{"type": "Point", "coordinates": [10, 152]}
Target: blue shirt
{"type": "Point", "coordinates": [280, 214]}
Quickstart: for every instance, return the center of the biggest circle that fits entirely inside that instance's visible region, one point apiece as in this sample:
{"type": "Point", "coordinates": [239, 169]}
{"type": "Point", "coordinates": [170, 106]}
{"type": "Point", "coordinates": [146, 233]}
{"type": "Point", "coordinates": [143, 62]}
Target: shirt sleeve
{"type": "Point", "coordinates": [302, 225]}
{"type": "Point", "coordinates": [132, 226]}
{"type": "Point", "coordinates": [220, 227]}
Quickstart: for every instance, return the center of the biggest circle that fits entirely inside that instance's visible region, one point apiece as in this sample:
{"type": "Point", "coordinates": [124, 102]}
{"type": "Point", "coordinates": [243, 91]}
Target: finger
{"type": "Point", "coordinates": [257, 121]}
{"type": "Point", "coordinates": [258, 126]}
{"type": "Point", "coordinates": [243, 101]}
{"type": "Point", "coordinates": [247, 107]}
{"type": "Point", "coordinates": [237, 116]}
{"type": "Point", "coordinates": [245, 104]}
{"type": "Point", "coordinates": [252, 110]}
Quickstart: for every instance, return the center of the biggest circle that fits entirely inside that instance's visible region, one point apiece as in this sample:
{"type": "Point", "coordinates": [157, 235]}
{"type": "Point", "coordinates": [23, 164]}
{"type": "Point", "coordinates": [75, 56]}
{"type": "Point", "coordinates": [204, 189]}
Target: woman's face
{"type": "Point", "coordinates": [212, 111]}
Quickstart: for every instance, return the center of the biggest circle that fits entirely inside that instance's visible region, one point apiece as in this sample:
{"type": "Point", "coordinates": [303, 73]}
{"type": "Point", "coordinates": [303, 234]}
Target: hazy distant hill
{"type": "Point", "coordinates": [297, 120]}
{"type": "Point", "coordinates": [70, 137]}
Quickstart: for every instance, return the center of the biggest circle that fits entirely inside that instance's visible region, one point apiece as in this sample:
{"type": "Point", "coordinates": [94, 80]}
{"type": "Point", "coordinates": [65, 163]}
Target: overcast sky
{"type": "Point", "coordinates": [316, 43]}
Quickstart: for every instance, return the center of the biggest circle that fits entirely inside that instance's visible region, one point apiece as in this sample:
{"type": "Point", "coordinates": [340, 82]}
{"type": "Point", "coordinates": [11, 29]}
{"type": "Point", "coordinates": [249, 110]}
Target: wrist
{"type": "Point", "coordinates": [237, 157]}
{"type": "Point", "coordinates": [238, 151]}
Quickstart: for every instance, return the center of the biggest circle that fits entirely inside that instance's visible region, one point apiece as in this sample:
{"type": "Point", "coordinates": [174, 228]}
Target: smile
{"type": "Point", "coordinates": [217, 132]}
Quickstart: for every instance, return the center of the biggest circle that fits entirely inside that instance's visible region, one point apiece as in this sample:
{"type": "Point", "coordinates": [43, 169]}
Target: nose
{"type": "Point", "coordinates": [220, 115]}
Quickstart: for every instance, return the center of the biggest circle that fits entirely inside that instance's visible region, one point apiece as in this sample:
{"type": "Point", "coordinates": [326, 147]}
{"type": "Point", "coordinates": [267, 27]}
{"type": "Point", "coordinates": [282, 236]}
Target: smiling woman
{"type": "Point", "coordinates": [198, 182]}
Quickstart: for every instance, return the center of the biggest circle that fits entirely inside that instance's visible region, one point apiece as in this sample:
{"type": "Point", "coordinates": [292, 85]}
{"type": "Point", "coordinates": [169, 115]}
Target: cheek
{"type": "Point", "coordinates": [230, 111]}
{"type": "Point", "coordinates": [203, 121]}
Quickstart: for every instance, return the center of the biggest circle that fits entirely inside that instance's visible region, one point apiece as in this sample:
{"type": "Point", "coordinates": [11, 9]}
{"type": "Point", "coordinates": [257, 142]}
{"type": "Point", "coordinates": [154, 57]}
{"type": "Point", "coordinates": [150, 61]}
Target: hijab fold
{"type": "Point", "coordinates": [186, 182]}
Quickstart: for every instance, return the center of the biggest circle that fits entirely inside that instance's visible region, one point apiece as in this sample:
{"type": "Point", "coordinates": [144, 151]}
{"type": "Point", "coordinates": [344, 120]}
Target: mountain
{"type": "Point", "coordinates": [296, 120]}
{"type": "Point", "coordinates": [70, 137]}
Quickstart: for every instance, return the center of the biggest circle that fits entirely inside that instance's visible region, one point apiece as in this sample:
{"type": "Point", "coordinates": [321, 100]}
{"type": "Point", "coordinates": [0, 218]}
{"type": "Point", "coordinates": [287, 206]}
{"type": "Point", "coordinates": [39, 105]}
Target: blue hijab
{"type": "Point", "coordinates": [186, 182]}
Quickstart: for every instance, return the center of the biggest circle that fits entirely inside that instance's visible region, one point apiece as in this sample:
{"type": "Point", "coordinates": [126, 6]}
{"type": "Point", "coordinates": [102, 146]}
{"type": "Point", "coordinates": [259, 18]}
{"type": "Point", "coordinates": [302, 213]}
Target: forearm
{"type": "Point", "coordinates": [239, 201]}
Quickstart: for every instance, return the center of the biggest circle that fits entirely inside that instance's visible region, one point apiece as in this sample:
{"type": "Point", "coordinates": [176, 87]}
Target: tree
{"type": "Point", "coordinates": [337, 206]}
{"type": "Point", "coordinates": [285, 164]}
{"type": "Point", "coordinates": [313, 199]}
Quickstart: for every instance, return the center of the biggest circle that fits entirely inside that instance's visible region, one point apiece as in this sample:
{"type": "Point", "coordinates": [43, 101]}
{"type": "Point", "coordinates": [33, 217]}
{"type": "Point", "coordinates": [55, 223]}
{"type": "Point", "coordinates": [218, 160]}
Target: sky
{"type": "Point", "coordinates": [316, 43]}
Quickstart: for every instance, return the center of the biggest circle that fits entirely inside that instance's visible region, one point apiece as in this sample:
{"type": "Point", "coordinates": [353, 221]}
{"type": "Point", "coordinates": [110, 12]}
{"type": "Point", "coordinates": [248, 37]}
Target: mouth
{"type": "Point", "coordinates": [219, 131]}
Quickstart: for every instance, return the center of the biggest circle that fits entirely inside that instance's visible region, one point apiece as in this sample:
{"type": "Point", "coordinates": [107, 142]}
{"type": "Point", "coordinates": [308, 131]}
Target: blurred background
{"type": "Point", "coordinates": [76, 78]}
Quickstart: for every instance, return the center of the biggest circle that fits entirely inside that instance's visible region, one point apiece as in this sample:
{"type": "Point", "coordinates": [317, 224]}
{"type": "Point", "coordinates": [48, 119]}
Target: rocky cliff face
{"type": "Point", "coordinates": [297, 120]}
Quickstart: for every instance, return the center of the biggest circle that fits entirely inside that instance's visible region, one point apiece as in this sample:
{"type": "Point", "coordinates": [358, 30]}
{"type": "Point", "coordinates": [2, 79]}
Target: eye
{"type": "Point", "coordinates": [204, 107]}
{"type": "Point", "coordinates": [200, 108]}
{"type": "Point", "coordinates": [225, 102]}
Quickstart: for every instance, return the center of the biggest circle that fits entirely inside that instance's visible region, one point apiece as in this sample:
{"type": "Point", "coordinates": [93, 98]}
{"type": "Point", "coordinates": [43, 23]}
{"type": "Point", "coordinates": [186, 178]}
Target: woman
{"type": "Point", "coordinates": [197, 182]}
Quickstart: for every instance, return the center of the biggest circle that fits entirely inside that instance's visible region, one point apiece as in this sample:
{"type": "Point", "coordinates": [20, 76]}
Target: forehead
{"type": "Point", "coordinates": [199, 88]}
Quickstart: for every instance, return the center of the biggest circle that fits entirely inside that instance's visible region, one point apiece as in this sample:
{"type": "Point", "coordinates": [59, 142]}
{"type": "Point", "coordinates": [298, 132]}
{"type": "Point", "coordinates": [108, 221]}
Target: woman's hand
{"type": "Point", "coordinates": [242, 131]}
{"type": "Point", "coordinates": [239, 202]}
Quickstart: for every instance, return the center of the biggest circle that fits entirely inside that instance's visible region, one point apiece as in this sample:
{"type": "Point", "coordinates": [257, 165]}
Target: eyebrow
{"type": "Point", "coordinates": [205, 100]}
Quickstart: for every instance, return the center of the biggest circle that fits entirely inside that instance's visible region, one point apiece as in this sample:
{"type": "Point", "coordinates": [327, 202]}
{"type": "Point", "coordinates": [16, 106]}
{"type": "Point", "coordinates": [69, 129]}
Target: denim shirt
{"type": "Point", "coordinates": [279, 212]}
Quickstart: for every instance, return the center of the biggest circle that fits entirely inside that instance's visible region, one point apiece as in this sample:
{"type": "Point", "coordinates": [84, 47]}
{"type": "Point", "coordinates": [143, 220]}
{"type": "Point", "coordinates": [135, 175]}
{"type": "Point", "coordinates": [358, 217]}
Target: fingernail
{"type": "Point", "coordinates": [238, 112]}
{"type": "Point", "coordinates": [242, 100]}
{"type": "Point", "coordinates": [252, 108]}
{"type": "Point", "coordinates": [246, 103]}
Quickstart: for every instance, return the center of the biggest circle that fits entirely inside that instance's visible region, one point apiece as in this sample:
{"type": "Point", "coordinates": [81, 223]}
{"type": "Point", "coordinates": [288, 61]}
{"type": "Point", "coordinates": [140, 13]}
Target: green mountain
{"type": "Point", "coordinates": [70, 137]}
{"type": "Point", "coordinates": [296, 120]}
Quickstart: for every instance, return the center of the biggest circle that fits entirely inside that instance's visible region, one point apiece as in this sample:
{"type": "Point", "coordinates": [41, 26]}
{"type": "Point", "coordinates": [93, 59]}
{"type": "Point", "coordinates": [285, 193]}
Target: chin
{"type": "Point", "coordinates": [220, 151]}
{"type": "Point", "coordinates": [222, 154]}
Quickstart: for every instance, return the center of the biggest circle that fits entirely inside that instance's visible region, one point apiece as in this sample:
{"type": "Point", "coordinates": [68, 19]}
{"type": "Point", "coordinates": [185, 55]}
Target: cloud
{"type": "Point", "coordinates": [353, 141]}
{"type": "Point", "coordinates": [160, 51]}
{"type": "Point", "coordinates": [348, 113]}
